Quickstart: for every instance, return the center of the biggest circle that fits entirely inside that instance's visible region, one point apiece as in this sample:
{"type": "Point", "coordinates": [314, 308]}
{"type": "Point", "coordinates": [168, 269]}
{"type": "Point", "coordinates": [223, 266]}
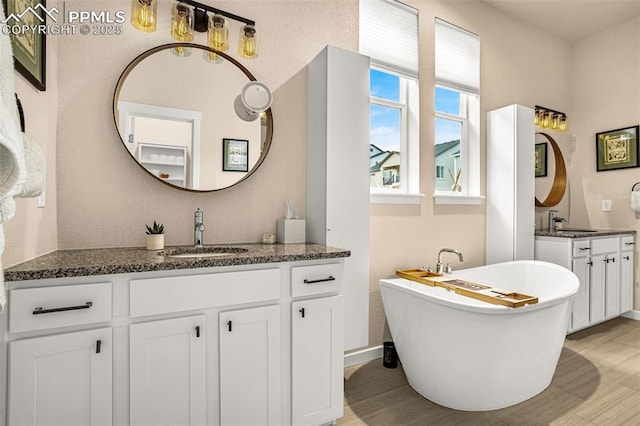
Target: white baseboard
{"type": "Point", "coordinates": [364, 355]}
{"type": "Point", "coordinates": [635, 315]}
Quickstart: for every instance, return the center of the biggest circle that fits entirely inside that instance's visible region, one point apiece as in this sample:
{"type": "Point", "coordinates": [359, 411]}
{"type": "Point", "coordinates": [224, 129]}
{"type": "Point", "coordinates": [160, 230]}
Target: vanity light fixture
{"type": "Point", "coordinates": [188, 16]}
{"type": "Point", "coordinates": [548, 118]}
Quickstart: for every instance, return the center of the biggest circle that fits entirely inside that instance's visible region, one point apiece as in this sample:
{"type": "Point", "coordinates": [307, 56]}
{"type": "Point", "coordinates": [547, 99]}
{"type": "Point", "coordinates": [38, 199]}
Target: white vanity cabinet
{"type": "Point", "coordinates": [214, 346]}
{"type": "Point", "coordinates": [317, 360]}
{"type": "Point", "coordinates": [627, 263]}
{"type": "Point", "coordinates": [250, 366]}
{"type": "Point", "coordinates": [605, 272]}
{"type": "Point", "coordinates": [60, 378]}
{"type": "Point", "coordinates": [167, 372]}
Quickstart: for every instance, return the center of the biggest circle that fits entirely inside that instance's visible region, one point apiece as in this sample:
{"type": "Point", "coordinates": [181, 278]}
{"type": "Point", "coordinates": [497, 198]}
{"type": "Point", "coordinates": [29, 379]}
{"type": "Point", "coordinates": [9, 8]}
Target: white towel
{"type": "Point", "coordinates": [635, 201]}
{"type": "Point", "coordinates": [12, 166]}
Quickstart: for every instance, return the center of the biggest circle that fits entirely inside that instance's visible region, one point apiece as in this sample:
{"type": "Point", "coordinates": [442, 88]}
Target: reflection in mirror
{"type": "Point", "coordinates": [174, 111]}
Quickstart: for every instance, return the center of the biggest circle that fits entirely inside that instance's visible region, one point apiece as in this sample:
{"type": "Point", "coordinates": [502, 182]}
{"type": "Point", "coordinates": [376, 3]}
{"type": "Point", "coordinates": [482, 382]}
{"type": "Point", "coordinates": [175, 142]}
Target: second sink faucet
{"type": "Point", "coordinates": [440, 269]}
{"type": "Point", "coordinates": [198, 231]}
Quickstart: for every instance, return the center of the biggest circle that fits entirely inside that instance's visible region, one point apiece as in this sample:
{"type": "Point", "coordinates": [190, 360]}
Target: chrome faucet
{"type": "Point", "coordinates": [198, 228]}
{"type": "Point", "coordinates": [440, 268]}
{"type": "Point", "coordinates": [552, 219]}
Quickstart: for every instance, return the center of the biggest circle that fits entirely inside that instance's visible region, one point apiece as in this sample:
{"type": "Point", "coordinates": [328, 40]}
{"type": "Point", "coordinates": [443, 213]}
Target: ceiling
{"type": "Point", "coordinates": [570, 20]}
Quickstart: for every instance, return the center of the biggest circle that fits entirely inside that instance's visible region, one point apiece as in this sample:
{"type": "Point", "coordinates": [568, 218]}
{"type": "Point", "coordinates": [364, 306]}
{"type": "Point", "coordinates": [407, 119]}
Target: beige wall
{"type": "Point", "coordinates": [33, 231]}
{"type": "Point", "coordinates": [109, 205]}
{"type": "Point", "coordinates": [605, 95]}
{"type": "Point", "coordinates": [513, 56]}
{"type": "Point", "coordinates": [104, 199]}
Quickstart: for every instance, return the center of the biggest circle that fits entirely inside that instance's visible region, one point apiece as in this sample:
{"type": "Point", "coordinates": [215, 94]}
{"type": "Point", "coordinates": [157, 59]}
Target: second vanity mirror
{"type": "Point", "coordinates": [174, 110]}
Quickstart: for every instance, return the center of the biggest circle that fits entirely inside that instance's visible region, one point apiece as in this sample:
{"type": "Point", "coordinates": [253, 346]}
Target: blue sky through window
{"type": "Point", "coordinates": [385, 121]}
{"type": "Point", "coordinates": [447, 101]}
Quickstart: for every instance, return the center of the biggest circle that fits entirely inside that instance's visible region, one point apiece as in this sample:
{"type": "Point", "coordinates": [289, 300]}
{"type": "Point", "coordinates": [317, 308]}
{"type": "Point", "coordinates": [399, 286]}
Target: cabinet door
{"type": "Point", "coordinates": [612, 285]}
{"type": "Point", "coordinates": [317, 360]}
{"type": "Point", "coordinates": [626, 281]}
{"type": "Point", "coordinates": [61, 380]}
{"type": "Point", "coordinates": [596, 293]}
{"type": "Point", "coordinates": [251, 366]}
{"type": "Point", "coordinates": [167, 372]}
{"type": "Point", "coordinates": [580, 313]}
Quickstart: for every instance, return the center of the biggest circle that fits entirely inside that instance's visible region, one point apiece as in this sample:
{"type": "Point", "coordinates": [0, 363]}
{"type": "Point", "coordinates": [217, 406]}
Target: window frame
{"type": "Point", "coordinates": [469, 118]}
{"type": "Point", "coordinates": [408, 193]}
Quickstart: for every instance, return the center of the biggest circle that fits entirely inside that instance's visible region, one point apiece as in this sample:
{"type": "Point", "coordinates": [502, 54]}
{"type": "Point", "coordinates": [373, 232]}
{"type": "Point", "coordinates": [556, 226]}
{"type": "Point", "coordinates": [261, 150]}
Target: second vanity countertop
{"type": "Point", "coordinates": [106, 261]}
{"type": "Point", "coordinates": [581, 233]}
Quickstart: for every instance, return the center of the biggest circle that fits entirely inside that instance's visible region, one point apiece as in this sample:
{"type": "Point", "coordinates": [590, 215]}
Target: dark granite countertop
{"type": "Point", "coordinates": [75, 263]}
{"type": "Point", "coordinates": [581, 233]}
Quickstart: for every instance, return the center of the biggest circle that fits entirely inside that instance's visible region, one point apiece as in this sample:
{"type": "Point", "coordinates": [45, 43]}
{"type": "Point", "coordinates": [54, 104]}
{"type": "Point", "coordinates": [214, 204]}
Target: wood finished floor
{"type": "Point", "coordinates": [597, 382]}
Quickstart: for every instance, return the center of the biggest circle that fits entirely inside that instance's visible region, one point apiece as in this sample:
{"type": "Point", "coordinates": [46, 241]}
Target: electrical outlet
{"type": "Point", "coordinates": [41, 200]}
{"type": "Point", "coordinates": [606, 205]}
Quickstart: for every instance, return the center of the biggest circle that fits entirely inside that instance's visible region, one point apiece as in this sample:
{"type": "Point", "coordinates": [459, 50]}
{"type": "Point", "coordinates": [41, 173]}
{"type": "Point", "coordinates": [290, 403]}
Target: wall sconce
{"type": "Point", "coordinates": [254, 98]}
{"type": "Point", "coordinates": [188, 16]}
{"type": "Point", "coordinates": [551, 119]}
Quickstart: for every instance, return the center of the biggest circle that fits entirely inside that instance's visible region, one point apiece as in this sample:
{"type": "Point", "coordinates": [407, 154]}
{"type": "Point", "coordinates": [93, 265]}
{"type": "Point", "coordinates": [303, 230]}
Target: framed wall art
{"type": "Point", "coordinates": [28, 44]}
{"type": "Point", "coordinates": [617, 149]}
{"type": "Point", "coordinates": [541, 159]}
{"type": "Point", "coordinates": [235, 155]}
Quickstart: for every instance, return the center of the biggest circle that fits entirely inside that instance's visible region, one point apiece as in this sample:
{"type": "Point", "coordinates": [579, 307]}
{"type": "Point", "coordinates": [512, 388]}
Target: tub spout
{"type": "Point", "coordinates": [440, 269]}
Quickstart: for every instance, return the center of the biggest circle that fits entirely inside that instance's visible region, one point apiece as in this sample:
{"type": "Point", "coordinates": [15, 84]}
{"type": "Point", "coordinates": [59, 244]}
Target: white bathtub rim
{"type": "Point", "coordinates": [436, 294]}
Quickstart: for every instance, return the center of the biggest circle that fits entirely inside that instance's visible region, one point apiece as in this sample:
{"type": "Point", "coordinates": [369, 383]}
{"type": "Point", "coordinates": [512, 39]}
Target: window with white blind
{"type": "Point", "coordinates": [389, 36]}
{"type": "Point", "coordinates": [457, 115]}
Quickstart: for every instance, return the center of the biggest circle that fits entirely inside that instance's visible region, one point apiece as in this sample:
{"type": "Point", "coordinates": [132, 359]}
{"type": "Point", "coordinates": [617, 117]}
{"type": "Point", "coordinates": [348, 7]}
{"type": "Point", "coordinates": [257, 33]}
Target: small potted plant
{"type": "Point", "coordinates": [155, 236]}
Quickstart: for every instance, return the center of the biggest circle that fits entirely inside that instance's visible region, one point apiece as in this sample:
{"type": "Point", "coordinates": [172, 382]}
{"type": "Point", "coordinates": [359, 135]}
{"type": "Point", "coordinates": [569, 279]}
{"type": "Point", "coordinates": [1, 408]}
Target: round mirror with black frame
{"type": "Point", "coordinates": [173, 107]}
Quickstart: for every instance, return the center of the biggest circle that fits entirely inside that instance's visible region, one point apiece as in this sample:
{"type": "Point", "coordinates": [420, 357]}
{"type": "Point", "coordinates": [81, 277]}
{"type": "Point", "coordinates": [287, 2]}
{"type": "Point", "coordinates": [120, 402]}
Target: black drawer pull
{"type": "Point", "coordinates": [323, 280]}
{"type": "Point", "coordinates": [230, 325]}
{"type": "Point", "coordinates": [197, 331]}
{"type": "Point", "coordinates": [583, 248]}
{"type": "Point", "coordinates": [98, 346]}
{"type": "Point", "coordinates": [629, 244]}
{"type": "Point", "coordinates": [302, 312]}
{"type": "Point", "coordinates": [40, 310]}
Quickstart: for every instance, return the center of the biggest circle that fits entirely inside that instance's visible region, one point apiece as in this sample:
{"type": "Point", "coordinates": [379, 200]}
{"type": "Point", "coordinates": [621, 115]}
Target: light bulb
{"type": "Point", "coordinates": [564, 124]}
{"type": "Point", "coordinates": [248, 45]}
{"type": "Point", "coordinates": [218, 34]}
{"type": "Point", "coordinates": [546, 119]}
{"type": "Point", "coordinates": [182, 22]}
{"type": "Point", "coordinates": [144, 15]}
{"type": "Point", "coordinates": [555, 121]}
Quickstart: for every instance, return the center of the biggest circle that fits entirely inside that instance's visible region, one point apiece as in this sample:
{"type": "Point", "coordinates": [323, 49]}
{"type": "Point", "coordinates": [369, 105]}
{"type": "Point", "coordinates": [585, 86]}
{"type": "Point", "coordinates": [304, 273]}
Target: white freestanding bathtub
{"type": "Point", "coordinates": [472, 355]}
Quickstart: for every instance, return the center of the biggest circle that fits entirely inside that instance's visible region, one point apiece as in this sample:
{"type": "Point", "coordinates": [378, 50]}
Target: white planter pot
{"type": "Point", "coordinates": [155, 241]}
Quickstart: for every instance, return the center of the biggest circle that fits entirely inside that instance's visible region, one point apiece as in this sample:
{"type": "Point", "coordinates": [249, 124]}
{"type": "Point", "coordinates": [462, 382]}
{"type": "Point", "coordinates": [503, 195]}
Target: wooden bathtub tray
{"type": "Point", "coordinates": [482, 292]}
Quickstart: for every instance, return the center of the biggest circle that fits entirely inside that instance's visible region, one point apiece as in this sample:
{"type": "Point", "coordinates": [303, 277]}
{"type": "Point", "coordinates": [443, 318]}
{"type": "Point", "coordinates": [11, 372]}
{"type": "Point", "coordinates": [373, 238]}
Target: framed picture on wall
{"type": "Point", "coordinates": [235, 155]}
{"type": "Point", "coordinates": [28, 44]}
{"type": "Point", "coordinates": [541, 159]}
{"type": "Point", "coordinates": [617, 149]}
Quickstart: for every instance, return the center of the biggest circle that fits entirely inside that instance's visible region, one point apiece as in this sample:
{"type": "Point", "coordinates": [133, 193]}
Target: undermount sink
{"type": "Point", "coordinates": [200, 252]}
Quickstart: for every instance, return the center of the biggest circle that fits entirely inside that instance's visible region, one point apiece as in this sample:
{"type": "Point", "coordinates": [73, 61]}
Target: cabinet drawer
{"type": "Point", "coordinates": [605, 245]}
{"type": "Point", "coordinates": [316, 279]}
{"type": "Point", "coordinates": [627, 243]}
{"type": "Point", "coordinates": [581, 248]}
{"type": "Point", "coordinates": [153, 296]}
{"type": "Point", "coordinates": [50, 307]}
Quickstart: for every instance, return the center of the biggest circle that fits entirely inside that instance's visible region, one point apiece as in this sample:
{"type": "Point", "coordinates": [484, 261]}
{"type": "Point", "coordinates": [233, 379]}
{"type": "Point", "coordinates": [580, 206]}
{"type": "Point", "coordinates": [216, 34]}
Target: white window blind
{"type": "Point", "coordinates": [457, 58]}
{"type": "Point", "coordinates": [389, 35]}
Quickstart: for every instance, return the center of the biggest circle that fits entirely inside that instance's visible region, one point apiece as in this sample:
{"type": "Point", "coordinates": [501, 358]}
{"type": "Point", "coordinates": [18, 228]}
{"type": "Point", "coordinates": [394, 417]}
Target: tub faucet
{"type": "Point", "coordinates": [440, 268]}
{"type": "Point", "coordinates": [198, 228]}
